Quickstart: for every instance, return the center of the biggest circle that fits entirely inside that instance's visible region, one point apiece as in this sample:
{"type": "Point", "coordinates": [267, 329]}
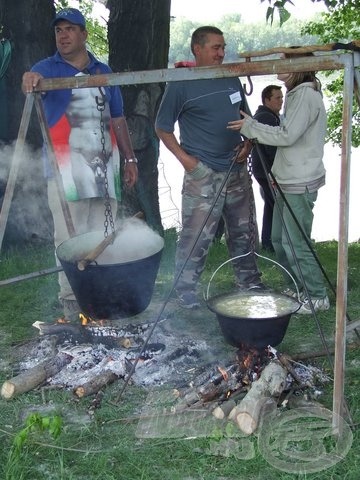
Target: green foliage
{"type": "Point", "coordinates": [36, 423]}
{"type": "Point", "coordinates": [334, 89]}
{"type": "Point", "coordinates": [279, 6]}
{"type": "Point", "coordinates": [240, 37]}
{"type": "Point", "coordinates": [341, 24]}
{"type": "Point", "coordinates": [24, 442]}
{"type": "Point", "coordinates": [284, 15]}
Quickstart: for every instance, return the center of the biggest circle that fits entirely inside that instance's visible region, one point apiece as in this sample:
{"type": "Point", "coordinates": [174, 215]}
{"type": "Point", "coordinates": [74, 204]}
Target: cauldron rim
{"type": "Point", "coordinates": [66, 243]}
{"type": "Point", "coordinates": [291, 311]}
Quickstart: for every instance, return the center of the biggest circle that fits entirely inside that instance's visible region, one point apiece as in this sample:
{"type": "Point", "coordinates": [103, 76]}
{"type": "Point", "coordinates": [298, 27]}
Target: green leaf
{"type": "Point", "coordinates": [56, 426]}
{"type": "Point", "coordinates": [270, 15]}
{"type": "Point", "coordinates": [20, 438]}
{"type": "Point", "coordinates": [284, 15]}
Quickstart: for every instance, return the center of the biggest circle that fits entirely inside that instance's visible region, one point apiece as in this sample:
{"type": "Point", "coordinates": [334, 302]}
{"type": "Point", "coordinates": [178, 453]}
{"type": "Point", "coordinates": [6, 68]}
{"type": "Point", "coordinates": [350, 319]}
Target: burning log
{"type": "Point", "coordinates": [285, 361]}
{"type": "Point", "coordinates": [218, 385]}
{"type": "Point", "coordinates": [95, 384]}
{"type": "Point", "coordinates": [35, 376]}
{"type": "Point", "coordinates": [270, 384]}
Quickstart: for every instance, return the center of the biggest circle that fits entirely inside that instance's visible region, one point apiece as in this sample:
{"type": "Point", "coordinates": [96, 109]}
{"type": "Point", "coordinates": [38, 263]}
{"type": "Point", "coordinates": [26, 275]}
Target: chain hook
{"type": "Point", "coordinates": [100, 104]}
{"type": "Point", "coordinates": [251, 89]}
{"type": "Point", "coordinates": [100, 101]}
{"type": "Point", "coordinates": [252, 212]}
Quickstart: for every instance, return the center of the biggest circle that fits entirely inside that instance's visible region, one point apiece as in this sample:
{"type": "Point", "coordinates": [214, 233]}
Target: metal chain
{"type": "Point", "coordinates": [100, 105]}
{"type": "Point", "coordinates": [252, 222]}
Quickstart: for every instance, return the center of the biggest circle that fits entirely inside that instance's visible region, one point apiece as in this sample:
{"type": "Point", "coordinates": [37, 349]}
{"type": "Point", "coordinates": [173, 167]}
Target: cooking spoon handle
{"type": "Point", "coordinates": [91, 256]}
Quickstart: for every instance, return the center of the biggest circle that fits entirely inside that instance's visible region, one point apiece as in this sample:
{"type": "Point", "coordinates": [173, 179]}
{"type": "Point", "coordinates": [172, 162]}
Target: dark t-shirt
{"type": "Point", "coordinates": [203, 109]}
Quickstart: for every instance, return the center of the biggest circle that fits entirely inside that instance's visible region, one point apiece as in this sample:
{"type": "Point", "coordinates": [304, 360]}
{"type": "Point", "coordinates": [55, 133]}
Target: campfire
{"type": "Point", "coordinates": [240, 391]}
{"type": "Point", "coordinates": [86, 357]}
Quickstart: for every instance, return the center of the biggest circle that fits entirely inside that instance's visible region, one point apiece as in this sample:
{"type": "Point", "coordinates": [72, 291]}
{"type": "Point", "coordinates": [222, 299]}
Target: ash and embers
{"type": "Point", "coordinates": [170, 358]}
{"type": "Point", "coordinates": [167, 358]}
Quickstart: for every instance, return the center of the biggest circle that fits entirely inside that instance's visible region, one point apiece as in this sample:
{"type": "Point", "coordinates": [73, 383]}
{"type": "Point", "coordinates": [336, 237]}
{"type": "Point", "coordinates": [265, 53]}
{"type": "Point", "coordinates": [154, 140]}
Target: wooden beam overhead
{"type": "Point", "coordinates": [240, 69]}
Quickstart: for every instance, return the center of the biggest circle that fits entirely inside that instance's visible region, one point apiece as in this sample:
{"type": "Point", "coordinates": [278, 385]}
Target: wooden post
{"type": "Point", "coordinates": [342, 270]}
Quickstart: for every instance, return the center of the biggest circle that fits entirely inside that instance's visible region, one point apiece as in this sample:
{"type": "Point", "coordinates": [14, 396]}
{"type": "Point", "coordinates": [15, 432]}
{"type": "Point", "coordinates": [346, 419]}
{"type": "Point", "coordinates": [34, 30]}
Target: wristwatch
{"type": "Point", "coordinates": [131, 160]}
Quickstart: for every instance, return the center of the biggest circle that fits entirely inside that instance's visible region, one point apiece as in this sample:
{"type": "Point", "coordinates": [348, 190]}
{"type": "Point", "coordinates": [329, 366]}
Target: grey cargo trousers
{"type": "Point", "coordinates": [200, 187]}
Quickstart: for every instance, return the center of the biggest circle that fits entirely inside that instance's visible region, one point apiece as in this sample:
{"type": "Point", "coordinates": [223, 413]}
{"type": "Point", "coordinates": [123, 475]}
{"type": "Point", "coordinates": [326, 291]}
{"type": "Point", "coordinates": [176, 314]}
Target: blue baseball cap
{"type": "Point", "coordinates": [72, 15]}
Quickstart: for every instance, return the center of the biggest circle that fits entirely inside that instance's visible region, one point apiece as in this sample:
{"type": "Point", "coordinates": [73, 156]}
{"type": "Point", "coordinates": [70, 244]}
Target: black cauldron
{"type": "Point", "coordinates": [110, 290]}
{"type": "Point", "coordinates": [254, 319]}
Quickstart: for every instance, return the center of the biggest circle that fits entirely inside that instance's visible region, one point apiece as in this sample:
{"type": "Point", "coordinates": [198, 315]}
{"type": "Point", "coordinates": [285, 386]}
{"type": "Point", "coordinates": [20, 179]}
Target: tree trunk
{"type": "Point", "coordinates": [138, 33]}
{"type": "Point", "coordinates": [26, 24]}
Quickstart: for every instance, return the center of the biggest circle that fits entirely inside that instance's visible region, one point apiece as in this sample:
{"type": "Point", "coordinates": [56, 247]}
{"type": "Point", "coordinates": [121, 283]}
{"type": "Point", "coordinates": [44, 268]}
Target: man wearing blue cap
{"type": "Point", "coordinates": [88, 129]}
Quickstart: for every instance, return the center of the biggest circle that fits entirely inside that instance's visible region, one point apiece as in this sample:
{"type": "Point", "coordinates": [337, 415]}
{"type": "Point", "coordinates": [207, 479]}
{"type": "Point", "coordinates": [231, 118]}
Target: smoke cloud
{"type": "Point", "coordinates": [29, 217]}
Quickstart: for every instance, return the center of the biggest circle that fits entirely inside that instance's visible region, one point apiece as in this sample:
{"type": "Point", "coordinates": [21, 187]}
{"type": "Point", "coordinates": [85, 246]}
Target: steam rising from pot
{"type": "Point", "coordinates": [135, 240]}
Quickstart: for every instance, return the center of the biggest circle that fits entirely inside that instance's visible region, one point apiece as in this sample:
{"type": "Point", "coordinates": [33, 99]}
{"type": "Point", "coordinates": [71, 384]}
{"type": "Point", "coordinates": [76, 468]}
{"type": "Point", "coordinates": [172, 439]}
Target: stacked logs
{"type": "Point", "coordinates": [230, 395]}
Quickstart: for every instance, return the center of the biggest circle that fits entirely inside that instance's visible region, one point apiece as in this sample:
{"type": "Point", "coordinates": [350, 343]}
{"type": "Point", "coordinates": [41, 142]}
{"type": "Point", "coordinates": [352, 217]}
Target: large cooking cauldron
{"type": "Point", "coordinates": [115, 286]}
{"type": "Point", "coordinates": [255, 319]}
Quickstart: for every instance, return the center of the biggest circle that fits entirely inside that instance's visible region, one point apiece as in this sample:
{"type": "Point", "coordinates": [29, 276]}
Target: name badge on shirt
{"type": "Point", "coordinates": [235, 97]}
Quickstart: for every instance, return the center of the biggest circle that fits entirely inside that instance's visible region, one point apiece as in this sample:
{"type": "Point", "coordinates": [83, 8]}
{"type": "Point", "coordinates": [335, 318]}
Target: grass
{"type": "Point", "coordinates": [107, 445]}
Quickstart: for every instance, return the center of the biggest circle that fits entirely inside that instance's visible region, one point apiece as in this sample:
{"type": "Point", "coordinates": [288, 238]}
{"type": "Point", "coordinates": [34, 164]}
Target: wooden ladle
{"type": "Point", "coordinates": [91, 256]}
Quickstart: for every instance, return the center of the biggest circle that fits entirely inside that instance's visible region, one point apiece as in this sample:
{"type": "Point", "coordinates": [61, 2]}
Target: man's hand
{"type": "Point", "coordinates": [242, 151]}
{"type": "Point", "coordinates": [238, 124]}
{"type": "Point", "coordinates": [30, 80]}
{"type": "Point", "coordinates": [130, 174]}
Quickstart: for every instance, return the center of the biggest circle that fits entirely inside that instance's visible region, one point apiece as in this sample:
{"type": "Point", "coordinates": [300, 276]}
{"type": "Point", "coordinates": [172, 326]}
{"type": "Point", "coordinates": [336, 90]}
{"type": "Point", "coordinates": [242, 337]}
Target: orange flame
{"type": "Point", "coordinates": [85, 320]}
{"type": "Point", "coordinates": [223, 373]}
{"type": "Point", "coordinates": [62, 320]}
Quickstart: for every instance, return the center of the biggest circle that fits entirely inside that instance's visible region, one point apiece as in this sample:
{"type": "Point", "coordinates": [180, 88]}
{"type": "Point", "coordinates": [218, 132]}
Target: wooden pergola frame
{"type": "Point", "coordinates": [347, 61]}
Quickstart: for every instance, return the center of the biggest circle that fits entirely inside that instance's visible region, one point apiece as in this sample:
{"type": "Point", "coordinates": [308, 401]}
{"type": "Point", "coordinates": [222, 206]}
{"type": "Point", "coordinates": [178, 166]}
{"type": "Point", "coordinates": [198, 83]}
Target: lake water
{"type": "Point", "coordinates": [326, 212]}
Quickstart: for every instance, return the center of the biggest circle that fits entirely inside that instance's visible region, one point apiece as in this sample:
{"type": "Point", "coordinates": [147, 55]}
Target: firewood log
{"type": "Point", "coordinates": [248, 416]}
{"type": "Point", "coordinates": [299, 401]}
{"type": "Point", "coordinates": [222, 411]}
{"type": "Point", "coordinates": [270, 384]}
{"type": "Point", "coordinates": [95, 384]}
{"type": "Point", "coordinates": [35, 376]}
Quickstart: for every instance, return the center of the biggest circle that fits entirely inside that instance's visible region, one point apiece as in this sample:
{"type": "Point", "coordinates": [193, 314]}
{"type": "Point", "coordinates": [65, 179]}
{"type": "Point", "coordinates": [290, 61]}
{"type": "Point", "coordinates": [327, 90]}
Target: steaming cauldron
{"type": "Point", "coordinates": [111, 289]}
{"type": "Point", "coordinates": [255, 319]}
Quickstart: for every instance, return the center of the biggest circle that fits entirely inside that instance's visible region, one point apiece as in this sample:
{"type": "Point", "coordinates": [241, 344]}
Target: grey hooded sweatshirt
{"type": "Point", "coordinates": [298, 163]}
